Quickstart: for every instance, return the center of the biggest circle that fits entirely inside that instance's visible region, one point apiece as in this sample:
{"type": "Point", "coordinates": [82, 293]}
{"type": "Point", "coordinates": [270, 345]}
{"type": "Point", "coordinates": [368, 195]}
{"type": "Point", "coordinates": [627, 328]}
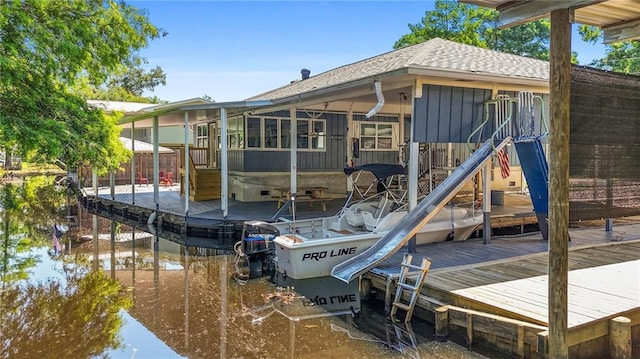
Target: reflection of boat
{"type": "Point", "coordinates": [307, 299]}
{"type": "Point", "coordinates": [312, 247]}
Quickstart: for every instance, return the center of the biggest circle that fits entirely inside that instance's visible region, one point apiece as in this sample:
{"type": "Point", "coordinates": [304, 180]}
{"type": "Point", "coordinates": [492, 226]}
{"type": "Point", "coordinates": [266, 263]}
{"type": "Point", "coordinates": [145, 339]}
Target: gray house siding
{"type": "Point", "coordinates": [448, 114]}
{"type": "Point", "coordinates": [332, 158]}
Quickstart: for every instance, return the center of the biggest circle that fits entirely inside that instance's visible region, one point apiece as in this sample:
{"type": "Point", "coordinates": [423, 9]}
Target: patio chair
{"type": "Point", "coordinates": [167, 180]}
{"type": "Point", "coordinates": [142, 180]}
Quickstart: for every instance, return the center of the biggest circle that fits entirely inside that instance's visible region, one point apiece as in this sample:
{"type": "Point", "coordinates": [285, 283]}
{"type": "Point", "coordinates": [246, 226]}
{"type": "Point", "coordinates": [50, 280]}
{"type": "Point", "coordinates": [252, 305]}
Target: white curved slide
{"type": "Point", "coordinates": [411, 223]}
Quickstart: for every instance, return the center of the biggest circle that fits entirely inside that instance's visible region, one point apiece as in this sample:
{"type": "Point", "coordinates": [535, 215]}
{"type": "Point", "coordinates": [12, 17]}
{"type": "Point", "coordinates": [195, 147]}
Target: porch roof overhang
{"type": "Point", "coordinates": [361, 90]}
{"type": "Point", "coordinates": [619, 19]}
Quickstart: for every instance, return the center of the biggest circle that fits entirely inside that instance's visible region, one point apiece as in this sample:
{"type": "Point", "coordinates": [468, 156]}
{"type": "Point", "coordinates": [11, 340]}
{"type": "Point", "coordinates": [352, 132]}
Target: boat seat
{"type": "Point", "coordinates": [369, 221]}
{"type": "Point", "coordinates": [354, 217]}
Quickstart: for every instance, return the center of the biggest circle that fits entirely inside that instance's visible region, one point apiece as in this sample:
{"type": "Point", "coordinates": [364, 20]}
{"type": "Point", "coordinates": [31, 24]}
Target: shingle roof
{"type": "Point", "coordinates": [434, 54]}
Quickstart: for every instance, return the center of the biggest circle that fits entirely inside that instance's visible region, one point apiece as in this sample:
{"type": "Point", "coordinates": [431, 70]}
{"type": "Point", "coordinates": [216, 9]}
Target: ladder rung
{"type": "Point", "coordinates": [411, 266]}
{"type": "Point", "coordinates": [407, 286]}
{"type": "Point", "coordinates": [402, 305]}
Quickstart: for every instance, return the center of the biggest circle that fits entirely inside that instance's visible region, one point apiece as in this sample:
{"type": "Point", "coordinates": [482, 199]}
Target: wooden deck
{"type": "Point", "coordinates": [507, 281]}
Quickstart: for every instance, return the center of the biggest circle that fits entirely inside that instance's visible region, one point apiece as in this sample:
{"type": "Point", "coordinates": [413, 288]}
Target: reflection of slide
{"type": "Point", "coordinates": [410, 224]}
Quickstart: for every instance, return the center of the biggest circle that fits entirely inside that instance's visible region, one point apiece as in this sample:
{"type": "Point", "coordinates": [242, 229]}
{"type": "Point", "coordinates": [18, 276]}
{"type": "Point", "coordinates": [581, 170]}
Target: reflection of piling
{"type": "Point", "coordinates": [226, 231]}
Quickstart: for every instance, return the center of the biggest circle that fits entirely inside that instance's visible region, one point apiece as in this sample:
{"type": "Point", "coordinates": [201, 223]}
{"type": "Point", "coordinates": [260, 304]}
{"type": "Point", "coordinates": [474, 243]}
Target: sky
{"type": "Point", "coordinates": [232, 50]}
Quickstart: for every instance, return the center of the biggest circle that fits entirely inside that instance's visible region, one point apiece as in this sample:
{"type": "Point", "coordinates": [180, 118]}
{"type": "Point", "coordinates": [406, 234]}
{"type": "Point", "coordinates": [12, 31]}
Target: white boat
{"type": "Point", "coordinates": [310, 248]}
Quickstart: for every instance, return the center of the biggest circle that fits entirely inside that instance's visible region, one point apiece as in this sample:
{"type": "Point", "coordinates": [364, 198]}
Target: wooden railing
{"type": "Point", "coordinates": [199, 156]}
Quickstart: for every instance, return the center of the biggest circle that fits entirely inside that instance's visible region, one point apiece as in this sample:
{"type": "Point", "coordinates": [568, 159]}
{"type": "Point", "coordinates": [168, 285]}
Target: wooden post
{"type": "Point", "coordinates": [442, 324]}
{"type": "Point", "coordinates": [560, 91]}
{"type": "Point", "coordinates": [620, 338]}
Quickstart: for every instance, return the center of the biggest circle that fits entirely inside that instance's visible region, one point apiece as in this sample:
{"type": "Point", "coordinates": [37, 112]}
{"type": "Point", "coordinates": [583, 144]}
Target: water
{"type": "Point", "coordinates": [141, 296]}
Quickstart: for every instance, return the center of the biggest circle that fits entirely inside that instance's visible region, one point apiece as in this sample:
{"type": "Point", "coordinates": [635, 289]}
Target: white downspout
{"type": "Point", "coordinates": [380, 97]}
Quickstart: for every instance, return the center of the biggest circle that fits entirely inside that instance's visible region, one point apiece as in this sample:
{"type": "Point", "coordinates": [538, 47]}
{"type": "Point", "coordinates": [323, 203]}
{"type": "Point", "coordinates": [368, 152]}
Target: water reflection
{"type": "Point", "coordinates": [121, 293]}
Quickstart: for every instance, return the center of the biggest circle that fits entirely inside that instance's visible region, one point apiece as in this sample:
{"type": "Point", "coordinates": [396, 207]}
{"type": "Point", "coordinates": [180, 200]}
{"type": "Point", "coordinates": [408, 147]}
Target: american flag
{"type": "Point", "coordinates": [503, 159]}
{"type": "Point", "coordinates": [57, 234]}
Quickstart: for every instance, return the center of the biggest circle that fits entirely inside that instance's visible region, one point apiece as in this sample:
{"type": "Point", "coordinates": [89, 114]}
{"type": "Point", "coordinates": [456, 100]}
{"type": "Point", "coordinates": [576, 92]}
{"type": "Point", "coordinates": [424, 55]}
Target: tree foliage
{"type": "Point", "coordinates": [619, 57]}
{"type": "Point", "coordinates": [477, 26]}
{"type": "Point", "coordinates": [41, 320]}
{"type": "Point", "coordinates": [46, 47]}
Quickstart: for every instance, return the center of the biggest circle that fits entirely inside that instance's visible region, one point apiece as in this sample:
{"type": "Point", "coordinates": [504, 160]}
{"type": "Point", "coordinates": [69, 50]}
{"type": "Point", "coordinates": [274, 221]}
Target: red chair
{"type": "Point", "coordinates": [142, 180]}
{"type": "Point", "coordinates": [167, 180]}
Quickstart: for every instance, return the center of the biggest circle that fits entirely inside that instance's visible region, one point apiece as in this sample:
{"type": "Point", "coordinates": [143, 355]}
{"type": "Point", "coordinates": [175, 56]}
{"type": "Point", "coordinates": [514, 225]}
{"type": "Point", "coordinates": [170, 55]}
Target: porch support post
{"type": "Point", "coordinates": [224, 180]}
{"type": "Point", "coordinates": [351, 134]}
{"type": "Point", "coordinates": [414, 150]}
{"type": "Point", "coordinates": [112, 184]}
{"type": "Point", "coordinates": [560, 93]}
{"type": "Point", "coordinates": [133, 163]}
{"type": "Point", "coordinates": [94, 182]}
{"type": "Point", "coordinates": [294, 153]}
{"type": "Point", "coordinates": [185, 185]}
{"type": "Point", "coordinates": [156, 164]}
{"type": "Point", "coordinates": [486, 202]}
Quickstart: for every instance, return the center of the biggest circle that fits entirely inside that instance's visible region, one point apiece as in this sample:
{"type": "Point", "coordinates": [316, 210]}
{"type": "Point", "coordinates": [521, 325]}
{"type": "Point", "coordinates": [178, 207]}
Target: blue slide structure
{"type": "Point", "coordinates": [410, 224]}
{"type": "Point", "coordinates": [536, 171]}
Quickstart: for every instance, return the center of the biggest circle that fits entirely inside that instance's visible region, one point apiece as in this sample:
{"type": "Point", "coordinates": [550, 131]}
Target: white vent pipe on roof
{"type": "Point", "coordinates": [380, 103]}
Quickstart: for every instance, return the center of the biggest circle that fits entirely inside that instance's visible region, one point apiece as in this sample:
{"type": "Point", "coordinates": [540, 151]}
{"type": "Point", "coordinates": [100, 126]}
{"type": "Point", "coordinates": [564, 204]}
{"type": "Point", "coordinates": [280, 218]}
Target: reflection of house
{"type": "Point", "coordinates": [358, 113]}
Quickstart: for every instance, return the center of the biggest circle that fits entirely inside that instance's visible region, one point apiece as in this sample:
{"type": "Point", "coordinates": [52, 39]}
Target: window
{"type": "Point", "coordinates": [377, 135]}
{"type": "Point", "coordinates": [202, 136]}
{"type": "Point", "coordinates": [253, 133]}
{"type": "Point", "coordinates": [235, 133]}
{"type": "Point", "coordinates": [285, 133]}
{"type": "Point", "coordinates": [317, 135]}
{"type": "Point", "coordinates": [271, 133]}
{"type": "Point", "coordinates": [303, 134]}
{"type": "Point", "coordinates": [275, 133]}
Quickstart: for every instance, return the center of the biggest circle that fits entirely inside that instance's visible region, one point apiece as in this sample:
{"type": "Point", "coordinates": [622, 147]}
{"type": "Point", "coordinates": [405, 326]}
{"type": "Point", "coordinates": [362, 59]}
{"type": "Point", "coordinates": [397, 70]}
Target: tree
{"type": "Point", "coordinates": [619, 57]}
{"type": "Point", "coordinates": [477, 26]}
{"type": "Point", "coordinates": [47, 46]}
{"type": "Point", "coordinates": [127, 85]}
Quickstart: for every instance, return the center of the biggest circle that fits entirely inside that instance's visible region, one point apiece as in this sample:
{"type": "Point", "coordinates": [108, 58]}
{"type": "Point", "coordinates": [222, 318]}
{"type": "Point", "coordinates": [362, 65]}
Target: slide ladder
{"type": "Point", "coordinates": [418, 217]}
{"type": "Point", "coordinates": [403, 285]}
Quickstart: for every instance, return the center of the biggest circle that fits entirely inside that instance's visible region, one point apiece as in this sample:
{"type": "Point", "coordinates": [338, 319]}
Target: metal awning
{"type": "Point", "coordinates": [619, 19]}
{"type": "Point", "coordinates": [142, 147]}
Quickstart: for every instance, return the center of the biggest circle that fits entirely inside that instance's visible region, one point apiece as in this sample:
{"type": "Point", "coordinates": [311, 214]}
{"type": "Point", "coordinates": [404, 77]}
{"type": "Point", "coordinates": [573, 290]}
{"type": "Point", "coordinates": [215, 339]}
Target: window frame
{"type": "Point", "coordinates": [376, 136]}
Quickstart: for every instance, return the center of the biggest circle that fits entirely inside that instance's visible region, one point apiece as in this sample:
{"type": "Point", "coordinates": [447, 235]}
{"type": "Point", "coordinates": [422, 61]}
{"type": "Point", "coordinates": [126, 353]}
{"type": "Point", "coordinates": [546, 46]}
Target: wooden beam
{"type": "Point", "coordinates": [560, 93]}
{"type": "Point", "coordinates": [528, 11]}
{"type": "Point", "coordinates": [623, 32]}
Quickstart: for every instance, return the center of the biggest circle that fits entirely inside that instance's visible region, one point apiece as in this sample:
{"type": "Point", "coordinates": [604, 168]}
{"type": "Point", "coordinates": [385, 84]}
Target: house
{"type": "Point", "coordinates": [169, 137]}
{"type": "Point", "coordinates": [364, 112]}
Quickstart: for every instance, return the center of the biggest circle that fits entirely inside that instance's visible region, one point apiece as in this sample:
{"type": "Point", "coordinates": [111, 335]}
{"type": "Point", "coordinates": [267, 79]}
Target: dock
{"type": "Point", "coordinates": [205, 224]}
{"type": "Point", "coordinates": [496, 294]}
{"type": "Point", "coordinates": [493, 295]}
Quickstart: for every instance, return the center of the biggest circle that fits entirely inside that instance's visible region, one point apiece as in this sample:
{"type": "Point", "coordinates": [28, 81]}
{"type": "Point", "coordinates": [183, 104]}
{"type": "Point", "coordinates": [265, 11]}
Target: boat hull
{"type": "Point", "coordinates": [315, 258]}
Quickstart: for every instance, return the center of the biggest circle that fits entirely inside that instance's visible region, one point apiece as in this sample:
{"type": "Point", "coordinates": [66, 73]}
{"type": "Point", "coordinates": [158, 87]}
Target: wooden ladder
{"type": "Point", "coordinates": [403, 285]}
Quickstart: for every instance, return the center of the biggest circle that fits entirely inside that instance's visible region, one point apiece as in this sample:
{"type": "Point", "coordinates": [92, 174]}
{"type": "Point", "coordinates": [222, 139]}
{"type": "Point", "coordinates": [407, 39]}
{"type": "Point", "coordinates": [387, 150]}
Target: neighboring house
{"type": "Point", "coordinates": [170, 137]}
{"type": "Point", "coordinates": [437, 89]}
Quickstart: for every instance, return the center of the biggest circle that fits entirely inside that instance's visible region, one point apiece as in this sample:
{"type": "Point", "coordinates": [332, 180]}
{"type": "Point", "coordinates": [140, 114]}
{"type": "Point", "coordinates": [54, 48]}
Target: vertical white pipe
{"type": "Point", "coordinates": [414, 149]}
{"type": "Point", "coordinates": [224, 180]}
{"type": "Point", "coordinates": [185, 185]}
{"type": "Point", "coordinates": [294, 149]}
{"type": "Point", "coordinates": [350, 136]}
{"type": "Point", "coordinates": [156, 162]}
{"type": "Point", "coordinates": [133, 164]}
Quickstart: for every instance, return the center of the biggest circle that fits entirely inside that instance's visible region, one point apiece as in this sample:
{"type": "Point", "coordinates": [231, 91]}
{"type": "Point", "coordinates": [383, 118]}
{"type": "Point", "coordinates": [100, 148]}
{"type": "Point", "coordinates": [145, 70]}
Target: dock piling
{"type": "Point", "coordinates": [442, 323]}
{"type": "Point", "coordinates": [620, 338]}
